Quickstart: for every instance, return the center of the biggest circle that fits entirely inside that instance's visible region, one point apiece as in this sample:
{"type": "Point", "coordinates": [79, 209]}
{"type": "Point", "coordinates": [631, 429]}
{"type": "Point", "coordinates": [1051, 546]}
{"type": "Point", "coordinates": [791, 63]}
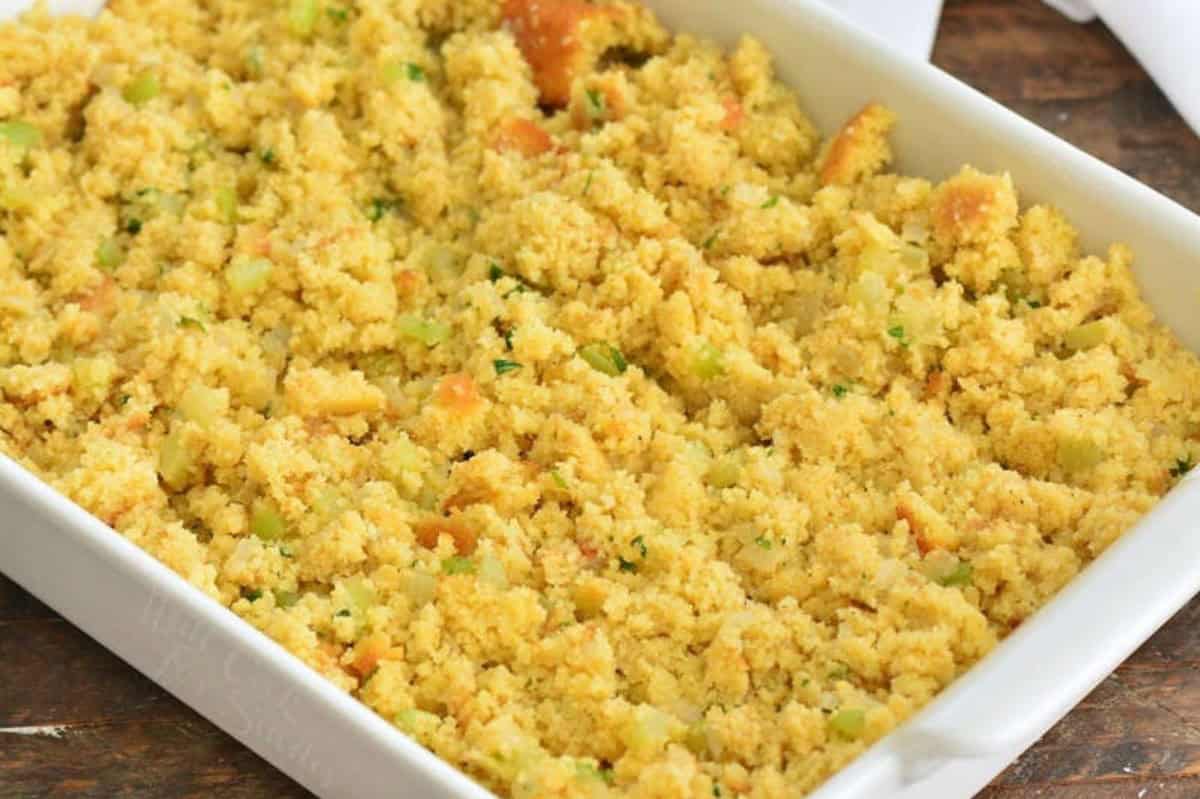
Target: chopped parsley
{"type": "Point", "coordinates": [772, 202]}
{"type": "Point", "coordinates": [558, 479]}
{"type": "Point", "coordinates": [380, 206]}
{"type": "Point", "coordinates": [1182, 466]}
{"type": "Point", "coordinates": [840, 390]}
{"type": "Point", "coordinates": [414, 72]}
{"type": "Point", "coordinates": [495, 273]}
{"type": "Point", "coordinates": [338, 14]}
{"type": "Point", "coordinates": [187, 321]}
{"type": "Point", "coordinates": [627, 565]}
{"type": "Point", "coordinates": [133, 227]}
{"type": "Point", "coordinates": [588, 185]}
{"type": "Point", "coordinates": [897, 332]}
{"type": "Point", "coordinates": [508, 334]}
{"type": "Point", "coordinates": [267, 156]}
{"type": "Point", "coordinates": [640, 543]}
{"type": "Point", "coordinates": [763, 542]}
{"type": "Point", "coordinates": [710, 240]}
{"type": "Point", "coordinates": [595, 104]}
{"type": "Point", "coordinates": [503, 366]}
{"type": "Point", "coordinates": [344, 613]}
{"type": "Point", "coordinates": [253, 595]}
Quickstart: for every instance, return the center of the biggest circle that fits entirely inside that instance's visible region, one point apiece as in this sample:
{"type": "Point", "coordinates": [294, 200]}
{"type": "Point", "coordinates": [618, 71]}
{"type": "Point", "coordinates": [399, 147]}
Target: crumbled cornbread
{"type": "Point", "coordinates": [537, 377]}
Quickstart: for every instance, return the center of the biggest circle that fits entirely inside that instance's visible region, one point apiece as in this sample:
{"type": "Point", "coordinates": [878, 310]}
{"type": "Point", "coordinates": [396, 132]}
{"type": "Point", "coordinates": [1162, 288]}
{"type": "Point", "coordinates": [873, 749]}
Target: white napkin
{"type": "Point", "coordinates": [1164, 35]}
{"type": "Point", "coordinates": [908, 25]}
{"type": "Point", "coordinates": [10, 9]}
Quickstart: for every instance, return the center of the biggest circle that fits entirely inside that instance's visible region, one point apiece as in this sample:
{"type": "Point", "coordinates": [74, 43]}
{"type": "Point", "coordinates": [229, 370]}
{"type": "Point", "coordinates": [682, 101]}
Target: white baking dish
{"type": "Point", "coordinates": [253, 689]}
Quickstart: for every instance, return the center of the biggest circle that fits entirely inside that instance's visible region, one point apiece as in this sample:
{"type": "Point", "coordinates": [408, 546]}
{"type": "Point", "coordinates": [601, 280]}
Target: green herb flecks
{"type": "Point", "coordinates": [379, 207]}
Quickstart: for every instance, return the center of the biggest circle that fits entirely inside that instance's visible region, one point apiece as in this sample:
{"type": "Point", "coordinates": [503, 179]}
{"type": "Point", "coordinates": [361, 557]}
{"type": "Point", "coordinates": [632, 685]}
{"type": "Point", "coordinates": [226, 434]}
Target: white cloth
{"type": "Point", "coordinates": [1164, 35]}
{"type": "Point", "coordinates": [907, 25]}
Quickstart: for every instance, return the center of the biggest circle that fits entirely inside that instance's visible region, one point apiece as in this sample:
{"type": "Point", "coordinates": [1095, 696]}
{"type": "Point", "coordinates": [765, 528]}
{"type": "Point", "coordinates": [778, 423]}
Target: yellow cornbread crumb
{"type": "Point", "coordinates": [537, 376]}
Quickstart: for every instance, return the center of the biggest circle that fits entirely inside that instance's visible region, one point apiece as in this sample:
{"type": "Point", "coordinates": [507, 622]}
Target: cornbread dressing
{"type": "Point", "coordinates": [541, 379]}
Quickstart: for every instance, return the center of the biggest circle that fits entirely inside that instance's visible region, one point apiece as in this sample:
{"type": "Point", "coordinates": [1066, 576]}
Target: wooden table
{"type": "Point", "coordinates": [1136, 737]}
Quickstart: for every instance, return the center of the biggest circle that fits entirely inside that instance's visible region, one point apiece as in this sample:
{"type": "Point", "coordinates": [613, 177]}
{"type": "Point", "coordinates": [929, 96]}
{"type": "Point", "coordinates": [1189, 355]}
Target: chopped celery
{"type": "Point", "coordinates": [959, 576]}
{"type": "Point", "coordinates": [411, 720]}
{"type": "Point", "coordinates": [254, 61]}
{"type": "Point", "coordinates": [696, 738]}
{"type": "Point", "coordinates": [708, 362]}
{"type": "Point", "coordinates": [227, 204]}
{"type": "Point", "coordinates": [302, 16]}
{"type": "Point", "coordinates": [399, 458]}
{"type": "Point", "coordinates": [361, 594]}
{"type": "Point", "coordinates": [420, 588]}
{"type": "Point", "coordinates": [142, 89]}
{"type": "Point", "coordinates": [650, 729]}
{"type": "Point", "coordinates": [247, 277]}
{"type": "Point", "coordinates": [848, 723]}
{"type": "Point", "coordinates": [428, 332]}
{"type": "Point", "coordinates": [458, 565]}
{"type": "Point", "coordinates": [286, 599]}
{"type": "Point", "coordinates": [392, 71]}
{"type": "Point", "coordinates": [1077, 454]}
{"type": "Point", "coordinates": [267, 523]}
{"type": "Point", "coordinates": [1084, 337]}
{"type": "Point", "coordinates": [109, 254]}
{"type": "Point", "coordinates": [604, 358]}
{"type": "Point", "coordinates": [869, 291]}
{"type": "Point", "coordinates": [202, 404]}
{"type": "Point", "coordinates": [174, 461]}
{"type": "Point", "coordinates": [20, 134]}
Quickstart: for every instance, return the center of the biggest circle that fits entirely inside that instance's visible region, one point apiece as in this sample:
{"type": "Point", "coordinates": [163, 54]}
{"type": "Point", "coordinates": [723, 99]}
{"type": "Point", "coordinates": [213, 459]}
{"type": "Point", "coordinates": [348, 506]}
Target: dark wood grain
{"type": "Point", "coordinates": [1136, 737]}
